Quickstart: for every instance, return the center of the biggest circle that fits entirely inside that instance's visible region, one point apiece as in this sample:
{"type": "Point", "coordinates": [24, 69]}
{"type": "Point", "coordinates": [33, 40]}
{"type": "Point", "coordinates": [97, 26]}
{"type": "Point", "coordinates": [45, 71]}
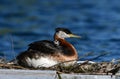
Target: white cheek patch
{"type": "Point", "coordinates": [62, 34]}
{"type": "Point", "coordinates": [41, 62]}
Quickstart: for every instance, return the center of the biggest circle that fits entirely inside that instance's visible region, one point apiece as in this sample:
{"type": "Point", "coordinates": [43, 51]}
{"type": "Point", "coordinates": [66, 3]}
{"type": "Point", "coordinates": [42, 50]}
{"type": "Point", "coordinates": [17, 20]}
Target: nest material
{"type": "Point", "coordinates": [91, 68]}
{"type": "Point", "coordinates": [85, 68]}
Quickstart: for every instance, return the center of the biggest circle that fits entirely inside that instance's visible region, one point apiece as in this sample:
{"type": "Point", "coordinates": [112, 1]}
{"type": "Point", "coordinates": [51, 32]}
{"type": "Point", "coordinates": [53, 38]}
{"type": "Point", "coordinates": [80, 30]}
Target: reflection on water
{"type": "Point", "coordinates": [97, 21]}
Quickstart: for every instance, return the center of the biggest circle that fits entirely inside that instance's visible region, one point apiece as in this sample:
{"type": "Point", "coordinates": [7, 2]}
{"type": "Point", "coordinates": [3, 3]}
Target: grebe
{"type": "Point", "coordinates": [47, 53]}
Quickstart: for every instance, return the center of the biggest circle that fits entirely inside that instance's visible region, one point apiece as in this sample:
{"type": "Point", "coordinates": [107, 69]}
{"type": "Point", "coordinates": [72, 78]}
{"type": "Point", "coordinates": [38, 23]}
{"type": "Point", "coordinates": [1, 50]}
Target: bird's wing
{"type": "Point", "coordinates": [44, 46]}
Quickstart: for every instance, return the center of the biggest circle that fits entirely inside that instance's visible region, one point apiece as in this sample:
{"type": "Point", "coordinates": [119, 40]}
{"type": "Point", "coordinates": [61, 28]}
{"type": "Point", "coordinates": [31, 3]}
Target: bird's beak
{"type": "Point", "coordinates": [74, 36]}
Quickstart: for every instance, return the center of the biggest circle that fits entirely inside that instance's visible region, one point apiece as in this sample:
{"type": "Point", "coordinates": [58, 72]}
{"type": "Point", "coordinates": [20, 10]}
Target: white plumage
{"type": "Point", "coordinates": [41, 62]}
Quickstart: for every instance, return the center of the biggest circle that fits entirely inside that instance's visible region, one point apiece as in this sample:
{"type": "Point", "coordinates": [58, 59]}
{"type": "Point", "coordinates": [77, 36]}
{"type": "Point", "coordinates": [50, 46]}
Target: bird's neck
{"type": "Point", "coordinates": [62, 42]}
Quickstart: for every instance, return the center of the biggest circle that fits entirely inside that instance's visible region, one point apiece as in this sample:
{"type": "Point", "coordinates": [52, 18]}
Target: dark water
{"type": "Point", "coordinates": [97, 21]}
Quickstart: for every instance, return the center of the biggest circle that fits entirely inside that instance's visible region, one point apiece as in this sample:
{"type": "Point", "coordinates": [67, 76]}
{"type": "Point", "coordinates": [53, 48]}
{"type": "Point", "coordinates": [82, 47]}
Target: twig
{"type": "Point", "coordinates": [58, 74]}
{"type": "Point", "coordinates": [102, 54]}
{"type": "Point", "coordinates": [85, 55]}
{"type": "Point", "coordinates": [12, 47]}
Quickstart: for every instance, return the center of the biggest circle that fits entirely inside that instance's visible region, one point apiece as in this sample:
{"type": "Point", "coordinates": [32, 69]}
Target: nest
{"type": "Point", "coordinates": [90, 68]}
{"type": "Point", "coordinates": [85, 67]}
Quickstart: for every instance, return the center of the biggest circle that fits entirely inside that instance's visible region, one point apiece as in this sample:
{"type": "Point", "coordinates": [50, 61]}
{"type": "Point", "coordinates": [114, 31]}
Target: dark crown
{"type": "Point", "coordinates": [64, 30]}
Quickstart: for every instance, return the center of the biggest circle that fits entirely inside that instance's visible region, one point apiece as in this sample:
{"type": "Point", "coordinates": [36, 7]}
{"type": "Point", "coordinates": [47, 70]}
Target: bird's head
{"type": "Point", "coordinates": [65, 33]}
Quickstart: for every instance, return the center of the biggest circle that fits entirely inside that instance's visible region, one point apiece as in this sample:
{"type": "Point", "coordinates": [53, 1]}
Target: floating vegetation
{"type": "Point", "coordinates": [85, 67]}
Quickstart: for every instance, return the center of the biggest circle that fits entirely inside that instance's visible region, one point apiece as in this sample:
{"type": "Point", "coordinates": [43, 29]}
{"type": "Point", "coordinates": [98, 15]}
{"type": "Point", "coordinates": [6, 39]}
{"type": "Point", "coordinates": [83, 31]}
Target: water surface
{"type": "Point", "coordinates": [97, 21]}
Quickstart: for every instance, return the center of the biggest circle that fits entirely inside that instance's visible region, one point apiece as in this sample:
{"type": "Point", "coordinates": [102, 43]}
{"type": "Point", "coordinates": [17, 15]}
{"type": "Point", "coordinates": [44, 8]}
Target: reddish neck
{"type": "Point", "coordinates": [63, 42]}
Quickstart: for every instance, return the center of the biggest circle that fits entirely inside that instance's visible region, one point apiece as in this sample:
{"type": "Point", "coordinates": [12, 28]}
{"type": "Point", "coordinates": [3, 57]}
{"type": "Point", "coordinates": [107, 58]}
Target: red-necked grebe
{"type": "Point", "coordinates": [47, 53]}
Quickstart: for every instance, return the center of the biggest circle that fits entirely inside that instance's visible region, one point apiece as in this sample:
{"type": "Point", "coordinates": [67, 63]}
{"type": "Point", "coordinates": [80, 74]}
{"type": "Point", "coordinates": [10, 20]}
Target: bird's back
{"type": "Point", "coordinates": [45, 46]}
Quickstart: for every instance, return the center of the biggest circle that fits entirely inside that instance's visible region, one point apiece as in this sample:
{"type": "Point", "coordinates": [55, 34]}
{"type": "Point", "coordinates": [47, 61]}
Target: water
{"type": "Point", "coordinates": [97, 21]}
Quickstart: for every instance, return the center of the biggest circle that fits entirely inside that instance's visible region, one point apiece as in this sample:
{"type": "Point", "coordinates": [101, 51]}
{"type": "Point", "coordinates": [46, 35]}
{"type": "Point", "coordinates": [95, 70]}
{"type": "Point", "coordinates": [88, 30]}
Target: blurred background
{"type": "Point", "coordinates": [26, 21]}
